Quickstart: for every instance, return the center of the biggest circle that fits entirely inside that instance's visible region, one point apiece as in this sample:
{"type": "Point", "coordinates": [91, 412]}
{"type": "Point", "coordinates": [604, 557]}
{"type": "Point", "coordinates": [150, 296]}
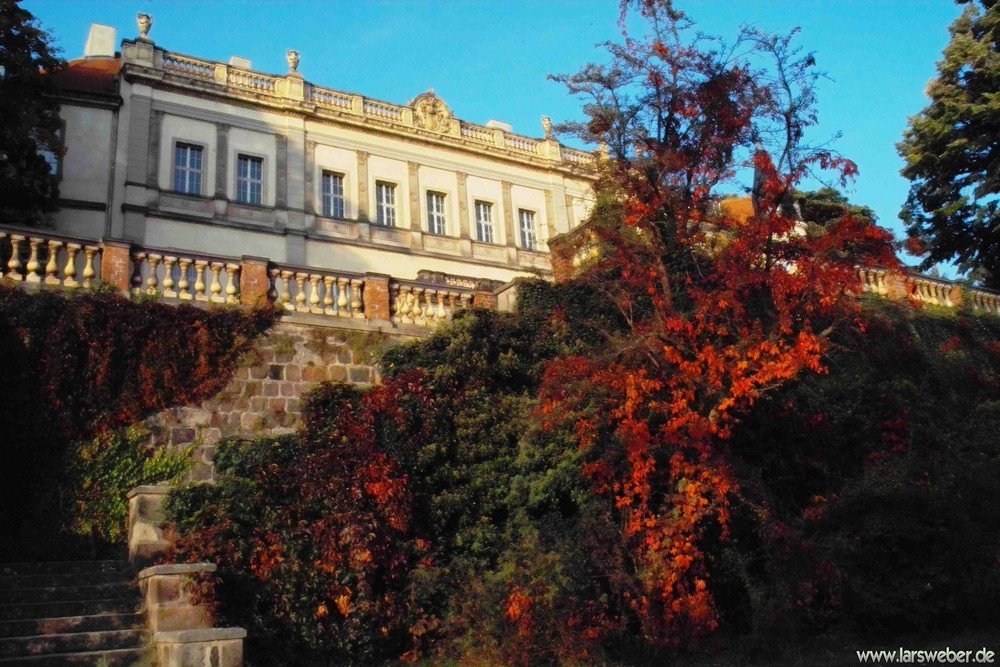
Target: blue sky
{"type": "Point", "coordinates": [489, 59]}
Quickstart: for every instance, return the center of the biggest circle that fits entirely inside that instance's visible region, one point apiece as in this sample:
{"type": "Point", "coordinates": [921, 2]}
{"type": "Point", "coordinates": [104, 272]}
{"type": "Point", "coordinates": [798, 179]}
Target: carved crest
{"type": "Point", "coordinates": [431, 113]}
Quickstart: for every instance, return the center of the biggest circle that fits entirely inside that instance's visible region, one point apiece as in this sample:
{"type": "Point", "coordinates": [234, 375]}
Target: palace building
{"type": "Point", "coordinates": [196, 157]}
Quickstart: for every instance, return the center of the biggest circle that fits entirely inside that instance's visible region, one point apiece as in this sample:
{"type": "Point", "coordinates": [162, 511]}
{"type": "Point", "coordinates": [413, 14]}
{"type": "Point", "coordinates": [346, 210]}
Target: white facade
{"type": "Point", "coordinates": [203, 157]}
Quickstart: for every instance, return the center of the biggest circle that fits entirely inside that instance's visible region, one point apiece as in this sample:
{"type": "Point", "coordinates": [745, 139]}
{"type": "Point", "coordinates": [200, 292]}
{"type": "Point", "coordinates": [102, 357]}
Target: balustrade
{"type": "Point", "coordinates": [199, 69]}
{"type": "Point", "coordinates": [252, 81]}
{"type": "Point", "coordinates": [382, 110]}
{"type": "Point", "coordinates": [171, 276]}
{"type": "Point", "coordinates": [330, 98]}
{"type": "Point", "coordinates": [319, 293]}
{"type": "Point", "coordinates": [477, 133]}
{"type": "Point", "coordinates": [425, 305]}
{"type": "Point", "coordinates": [48, 259]}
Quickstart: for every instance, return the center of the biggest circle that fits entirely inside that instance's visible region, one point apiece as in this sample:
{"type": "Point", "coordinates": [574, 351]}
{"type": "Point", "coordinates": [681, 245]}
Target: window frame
{"type": "Point", "coordinates": [57, 153]}
{"type": "Point", "coordinates": [484, 225]}
{"type": "Point", "coordinates": [527, 234]}
{"type": "Point", "coordinates": [250, 158]}
{"type": "Point", "coordinates": [437, 220]}
{"type": "Point", "coordinates": [385, 211]}
{"type": "Point", "coordinates": [329, 201]}
{"type": "Point", "coordinates": [201, 148]}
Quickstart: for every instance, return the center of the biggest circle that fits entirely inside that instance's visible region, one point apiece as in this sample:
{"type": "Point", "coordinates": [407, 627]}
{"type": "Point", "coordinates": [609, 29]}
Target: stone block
{"type": "Point", "coordinates": [360, 374]}
{"type": "Point", "coordinates": [338, 373]}
{"type": "Point", "coordinates": [146, 540]}
{"type": "Point", "coordinates": [315, 374]}
{"type": "Point", "coordinates": [271, 389]}
{"type": "Point", "coordinates": [287, 389]}
{"type": "Point", "coordinates": [274, 372]}
{"type": "Point", "coordinates": [293, 372]}
{"type": "Point", "coordinates": [218, 647]}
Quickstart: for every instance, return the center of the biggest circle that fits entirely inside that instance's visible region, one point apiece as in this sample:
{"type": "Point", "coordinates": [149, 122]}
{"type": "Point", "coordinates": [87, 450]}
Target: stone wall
{"type": "Point", "coordinates": [265, 396]}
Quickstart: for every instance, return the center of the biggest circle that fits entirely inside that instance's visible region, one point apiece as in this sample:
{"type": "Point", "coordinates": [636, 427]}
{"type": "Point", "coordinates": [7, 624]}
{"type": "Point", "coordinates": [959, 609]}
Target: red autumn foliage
{"type": "Point", "coordinates": [721, 310]}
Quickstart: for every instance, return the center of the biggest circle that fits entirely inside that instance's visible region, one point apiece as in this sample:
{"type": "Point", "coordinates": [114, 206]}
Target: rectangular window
{"type": "Point", "coordinates": [53, 156]}
{"type": "Point", "coordinates": [529, 241]}
{"type": "Point", "coordinates": [435, 213]}
{"type": "Point", "coordinates": [385, 204]}
{"type": "Point", "coordinates": [484, 222]}
{"type": "Point", "coordinates": [187, 169]}
{"type": "Point", "coordinates": [333, 195]}
{"type": "Point", "coordinates": [249, 179]}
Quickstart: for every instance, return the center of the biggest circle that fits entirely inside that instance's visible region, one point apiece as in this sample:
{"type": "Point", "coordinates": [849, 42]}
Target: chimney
{"type": "Point", "coordinates": [100, 42]}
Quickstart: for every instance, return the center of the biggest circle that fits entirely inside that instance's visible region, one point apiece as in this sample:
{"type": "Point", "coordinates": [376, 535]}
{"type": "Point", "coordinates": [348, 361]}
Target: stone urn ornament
{"type": "Point", "coordinates": [293, 58]}
{"type": "Point", "coordinates": [145, 22]}
{"type": "Point", "coordinates": [547, 126]}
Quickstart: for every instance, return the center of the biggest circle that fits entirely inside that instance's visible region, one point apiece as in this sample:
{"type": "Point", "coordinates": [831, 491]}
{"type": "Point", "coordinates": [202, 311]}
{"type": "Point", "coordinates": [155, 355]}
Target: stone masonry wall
{"type": "Point", "coordinates": [264, 397]}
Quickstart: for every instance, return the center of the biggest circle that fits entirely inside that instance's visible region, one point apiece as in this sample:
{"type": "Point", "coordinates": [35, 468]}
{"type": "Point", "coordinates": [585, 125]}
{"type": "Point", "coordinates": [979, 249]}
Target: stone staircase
{"type": "Point", "coordinates": [71, 613]}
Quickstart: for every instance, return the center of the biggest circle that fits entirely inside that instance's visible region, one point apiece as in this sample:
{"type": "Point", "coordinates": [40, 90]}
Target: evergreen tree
{"type": "Point", "coordinates": [951, 151]}
{"type": "Point", "coordinates": [29, 117]}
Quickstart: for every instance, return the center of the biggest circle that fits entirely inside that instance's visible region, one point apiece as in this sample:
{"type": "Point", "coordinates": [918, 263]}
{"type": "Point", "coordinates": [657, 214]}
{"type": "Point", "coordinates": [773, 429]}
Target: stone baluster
{"type": "Point", "coordinates": [452, 304]}
{"type": "Point", "coordinates": [272, 285]}
{"type": "Point", "coordinates": [199, 280]}
{"type": "Point", "coordinates": [52, 265]}
{"type": "Point", "coordinates": [466, 300]}
{"type": "Point", "coordinates": [419, 306]}
{"type": "Point", "coordinates": [89, 272]}
{"type": "Point", "coordinates": [152, 282]}
{"type": "Point", "coordinates": [314, 300]}
{"type": "Point", "coordinates": [286, 289]}
{"type": "Point", "coordinates": [356, 306]}
{"type": "Point", "coordinates": [69, 270]}
{"type": "Point", "coordinates": [394, 301]}
{"type": "Point", "coordinates": [216, 286]}
{"type": "Point", "coordinates": [442, 312]}
{"type": "Point", "coordinates": [168, 277]}
{"type": "Point", "coordinates": [136, 279]}
{"type": "Point", "coordinates": [329, 284]}
{"type": "Point", "coordinates": [33, 264]}
{"type": "Point", "coordinates": [14, 263]}
{"type": "Point", "coordinates": [183, 286]}
{"type": "Point", "coordinates": [404, 299]}
{"type": "Point", "coordinates": [300, 293]}
{"type": "Point", "coordinates": [342, 302]}
{"type": "Point", "coordinates": [233, 284]}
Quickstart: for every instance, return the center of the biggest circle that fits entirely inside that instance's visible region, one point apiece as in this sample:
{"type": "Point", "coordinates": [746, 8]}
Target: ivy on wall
{"type": "Point", "coordinates": [78, 366]}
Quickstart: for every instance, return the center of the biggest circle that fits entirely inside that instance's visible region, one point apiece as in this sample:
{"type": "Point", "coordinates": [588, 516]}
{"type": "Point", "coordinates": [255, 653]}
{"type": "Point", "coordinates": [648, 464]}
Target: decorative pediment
{"type": "Point", "coordinates": [431, 113]}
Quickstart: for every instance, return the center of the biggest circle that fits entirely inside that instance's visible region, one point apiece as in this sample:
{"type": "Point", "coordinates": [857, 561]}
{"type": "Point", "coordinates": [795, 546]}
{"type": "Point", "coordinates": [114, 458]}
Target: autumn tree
{"type": "Point", "coordinates": [721, 310]}
{"type": "Point", "coordinates": [29, 117]}
{"type": "Point", "coordinates": [951, 153]}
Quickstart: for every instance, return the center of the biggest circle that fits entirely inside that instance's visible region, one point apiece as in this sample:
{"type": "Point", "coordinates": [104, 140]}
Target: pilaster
{"type": "Point", "coordinates": [363, 212]}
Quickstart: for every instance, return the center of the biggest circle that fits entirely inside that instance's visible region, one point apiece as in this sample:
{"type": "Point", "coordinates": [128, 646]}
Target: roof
{"type": "Point", "coordinates": [90, 75]}
{"type": "Point", "coordinates": [738, 208]}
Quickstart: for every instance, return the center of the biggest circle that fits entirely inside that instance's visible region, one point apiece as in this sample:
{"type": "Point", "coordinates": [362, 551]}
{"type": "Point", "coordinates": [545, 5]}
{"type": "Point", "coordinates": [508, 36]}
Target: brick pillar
{"type": "Point", "coordinates": [254, 281]}
{"type": "Point", "coordinates": [376, 297]}
{"type": "Point", "coordinates": [897, 286]}
{"type": "Point", "coordinates": [484, 299]}
{"type": "Point", "coordinates": [116, 264]}
{"type": "Point", "coordinates": [957, 296]}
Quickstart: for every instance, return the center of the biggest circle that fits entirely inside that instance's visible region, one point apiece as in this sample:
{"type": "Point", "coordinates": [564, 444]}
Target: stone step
{"type": "Point", "coordinates": [65, 567]}
{"type": "Point", "coordinates": [68, 593]}
{"type": "Point", "coordinates": [74, 642]}
{"type": "Point", "coordinates": [29, 610]}
{"type": "Point", "coordinates": [128, 657]}
{"type": "Point", "coordinates": [61, 625]}
{"type": "Point", "coordinates": [50, 580]}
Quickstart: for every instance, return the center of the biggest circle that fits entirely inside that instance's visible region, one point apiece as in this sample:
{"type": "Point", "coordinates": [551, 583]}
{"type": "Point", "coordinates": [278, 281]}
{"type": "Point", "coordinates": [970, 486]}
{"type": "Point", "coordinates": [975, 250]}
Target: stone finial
{"type": "Point", "coordinates": [145, 22]}
{"type": "Point", "coordinates": [293, 58]}
{"type": "Point", "coordinates": [547, 126]}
